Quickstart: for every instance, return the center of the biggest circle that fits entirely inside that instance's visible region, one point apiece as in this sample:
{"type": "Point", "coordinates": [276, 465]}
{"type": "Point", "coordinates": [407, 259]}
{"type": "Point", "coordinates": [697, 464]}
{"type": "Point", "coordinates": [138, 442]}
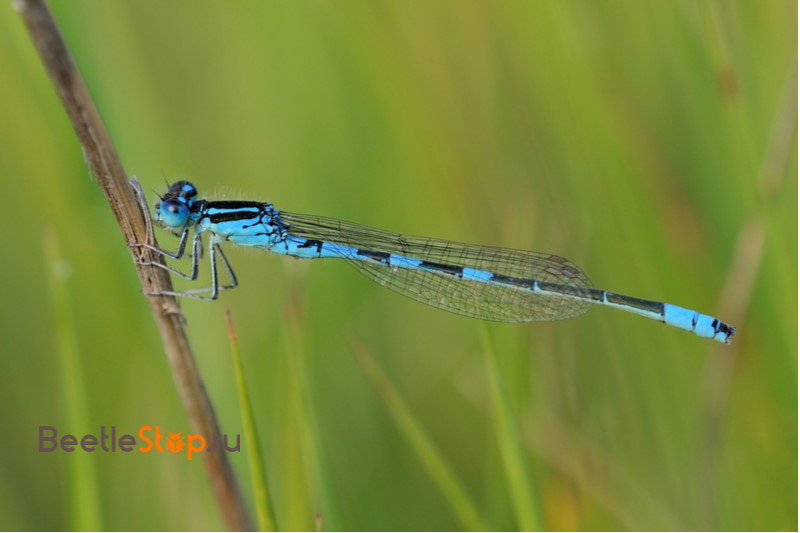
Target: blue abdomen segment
{"type": "Point", "coordinates": [698, 323]}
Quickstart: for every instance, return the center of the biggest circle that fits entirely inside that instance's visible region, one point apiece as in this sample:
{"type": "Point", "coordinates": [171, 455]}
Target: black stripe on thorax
{"type": "Point", "coordinates": [232, 210]}
{"type": "Point", "coordinates": [229, 216]}
{"type": "Point", "coordinates": [234, 204]}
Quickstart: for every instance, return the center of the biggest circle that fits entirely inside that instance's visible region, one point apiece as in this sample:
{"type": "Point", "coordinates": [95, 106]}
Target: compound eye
{"type": "Point", "coordinates": [172, 213]}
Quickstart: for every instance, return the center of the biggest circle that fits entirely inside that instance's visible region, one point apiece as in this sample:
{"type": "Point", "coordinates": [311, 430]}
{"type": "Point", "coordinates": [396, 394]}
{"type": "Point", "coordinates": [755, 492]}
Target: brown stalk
{"type": "Point", "coordinates": [102, 159]}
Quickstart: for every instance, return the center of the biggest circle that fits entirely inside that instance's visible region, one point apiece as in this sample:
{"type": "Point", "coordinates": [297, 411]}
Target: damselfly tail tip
{"type": "Point", "coordinates": [724, 332]}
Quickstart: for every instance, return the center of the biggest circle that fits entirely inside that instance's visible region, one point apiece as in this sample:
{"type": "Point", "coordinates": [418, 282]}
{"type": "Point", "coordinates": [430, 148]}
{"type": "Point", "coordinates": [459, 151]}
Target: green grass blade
{"type": "Point", "coordinates": [523, 496]}
{"type": "Point", "coordinates": [421, 443]}
{"type": "Point", "coordinates": [322, 488]}
{"type": "Point", "coordinates": [258, 472]}
{"type": "Point", "coordinates": [82, 495]}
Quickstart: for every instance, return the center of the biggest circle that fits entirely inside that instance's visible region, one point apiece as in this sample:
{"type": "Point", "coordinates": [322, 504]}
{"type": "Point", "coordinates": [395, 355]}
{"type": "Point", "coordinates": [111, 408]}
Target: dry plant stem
{"type": "Point", "coordinates": [101, 157]}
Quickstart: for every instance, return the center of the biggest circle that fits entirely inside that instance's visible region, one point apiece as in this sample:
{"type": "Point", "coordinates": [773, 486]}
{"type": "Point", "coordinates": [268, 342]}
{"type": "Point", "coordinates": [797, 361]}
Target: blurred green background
{"type": "Point", "coordinates": [653, 143]}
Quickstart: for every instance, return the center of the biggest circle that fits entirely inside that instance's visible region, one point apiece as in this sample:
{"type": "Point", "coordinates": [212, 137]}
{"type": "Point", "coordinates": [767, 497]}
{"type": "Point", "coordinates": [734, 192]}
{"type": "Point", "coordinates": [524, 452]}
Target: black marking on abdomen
{"type": "Point", "coordinates": [311, 243]}
{"type": "Point", "coordinates": [722, 327]}
{"type": "Point", "coordinates": [380, 257]}
{"type": "Point", "coordinates": [580, 292]}
{"type": "Point", "coordinates": [597, 295]}
{"type": "Point", "coordinates": [447, 269]}
{"type": "Point", "coordinates": [638, 303]}
{"type": "Point", "coordinates": [511, 280]}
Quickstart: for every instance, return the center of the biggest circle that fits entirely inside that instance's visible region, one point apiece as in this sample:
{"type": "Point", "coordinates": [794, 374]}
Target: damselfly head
{"type": "Point", "coordinates": [173, 208]}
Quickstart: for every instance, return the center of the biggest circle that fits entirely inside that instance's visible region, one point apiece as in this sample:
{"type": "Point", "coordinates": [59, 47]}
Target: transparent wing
{"type": "Point", "coordinates": [478, 299]}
